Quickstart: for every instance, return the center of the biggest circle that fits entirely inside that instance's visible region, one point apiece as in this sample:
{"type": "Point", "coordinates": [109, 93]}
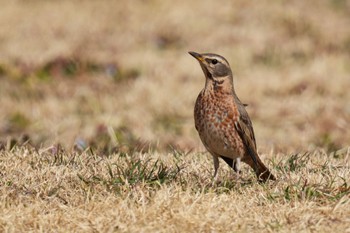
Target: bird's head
{"type": "Point", "coordinates": [215, 67]}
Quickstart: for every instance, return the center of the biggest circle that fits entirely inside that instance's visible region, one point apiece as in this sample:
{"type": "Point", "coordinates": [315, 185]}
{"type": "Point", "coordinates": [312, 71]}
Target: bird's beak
{"type": "Point", "coordinates": [202, 63]}
{"type": "Point", "coordinates": [198, 56]}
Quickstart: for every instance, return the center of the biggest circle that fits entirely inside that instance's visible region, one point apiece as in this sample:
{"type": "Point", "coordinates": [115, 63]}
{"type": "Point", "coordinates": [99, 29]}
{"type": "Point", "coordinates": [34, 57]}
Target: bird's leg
{"type": "Point", "coordinates": [216, 167]}
{"type": "Point", "coordinates": [236, 167]}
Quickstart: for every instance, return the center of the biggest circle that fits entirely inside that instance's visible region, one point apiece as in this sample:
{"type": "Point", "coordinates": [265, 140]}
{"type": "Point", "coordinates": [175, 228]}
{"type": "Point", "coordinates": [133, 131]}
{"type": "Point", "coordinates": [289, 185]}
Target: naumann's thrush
{"type": "Point", "coordinates": [222, 121]}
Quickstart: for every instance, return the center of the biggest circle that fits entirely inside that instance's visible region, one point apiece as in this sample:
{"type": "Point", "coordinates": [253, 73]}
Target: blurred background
{"type": "Point", "coordinates": [116, 75]}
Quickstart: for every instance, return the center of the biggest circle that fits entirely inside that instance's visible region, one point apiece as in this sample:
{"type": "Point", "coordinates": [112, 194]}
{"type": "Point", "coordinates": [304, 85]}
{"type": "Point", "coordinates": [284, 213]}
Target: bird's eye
{"type": "Point", "coordinates": [214, 61]}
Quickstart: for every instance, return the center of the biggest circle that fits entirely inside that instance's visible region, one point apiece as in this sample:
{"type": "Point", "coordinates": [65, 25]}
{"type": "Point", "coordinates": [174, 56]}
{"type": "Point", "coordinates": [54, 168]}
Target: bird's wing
{"type": "Point", "coordinates": [245, 130]}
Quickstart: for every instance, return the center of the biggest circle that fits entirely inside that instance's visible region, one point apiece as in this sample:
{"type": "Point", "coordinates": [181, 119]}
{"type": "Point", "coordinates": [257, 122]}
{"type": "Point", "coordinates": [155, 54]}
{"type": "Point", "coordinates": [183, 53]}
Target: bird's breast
{"type": "Point", "coordinates": [215, 119]}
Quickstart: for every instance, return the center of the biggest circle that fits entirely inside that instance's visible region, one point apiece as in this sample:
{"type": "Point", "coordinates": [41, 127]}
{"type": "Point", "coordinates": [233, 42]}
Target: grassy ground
{"type": "Point", "coordinates": [58, 191]}
{"type": "Point", "coordinates": [96, 123]}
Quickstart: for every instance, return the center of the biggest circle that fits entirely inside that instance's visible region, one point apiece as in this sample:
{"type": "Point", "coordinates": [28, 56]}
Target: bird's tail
{"type": "Point", "coordinates": [261, 171]}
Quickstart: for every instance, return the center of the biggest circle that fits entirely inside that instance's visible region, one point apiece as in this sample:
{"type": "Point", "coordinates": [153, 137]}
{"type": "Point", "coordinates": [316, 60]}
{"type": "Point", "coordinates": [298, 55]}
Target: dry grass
{"type": "Point", "coordinates": [96, 125]}
{"type": "Point", "coordinates": [62, 191]}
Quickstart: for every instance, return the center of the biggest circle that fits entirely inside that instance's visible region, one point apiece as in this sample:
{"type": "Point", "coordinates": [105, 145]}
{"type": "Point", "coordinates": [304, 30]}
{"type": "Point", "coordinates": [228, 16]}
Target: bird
{"type": "Point", "coordinates": [222, 121]}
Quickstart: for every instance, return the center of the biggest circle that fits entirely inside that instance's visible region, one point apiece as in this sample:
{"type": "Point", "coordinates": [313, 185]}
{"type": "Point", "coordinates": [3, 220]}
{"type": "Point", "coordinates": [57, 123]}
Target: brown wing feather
{"type": "Point", "coordinates": [245, 130]}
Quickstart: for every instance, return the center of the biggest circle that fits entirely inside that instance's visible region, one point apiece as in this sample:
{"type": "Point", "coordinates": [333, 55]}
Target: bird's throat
{"type": "Point", "coordinates": [219, 86]}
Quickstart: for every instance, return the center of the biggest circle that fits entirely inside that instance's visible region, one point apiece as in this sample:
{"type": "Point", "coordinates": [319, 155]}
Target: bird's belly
{"type": "Point", "coordinates": [218, 136]}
